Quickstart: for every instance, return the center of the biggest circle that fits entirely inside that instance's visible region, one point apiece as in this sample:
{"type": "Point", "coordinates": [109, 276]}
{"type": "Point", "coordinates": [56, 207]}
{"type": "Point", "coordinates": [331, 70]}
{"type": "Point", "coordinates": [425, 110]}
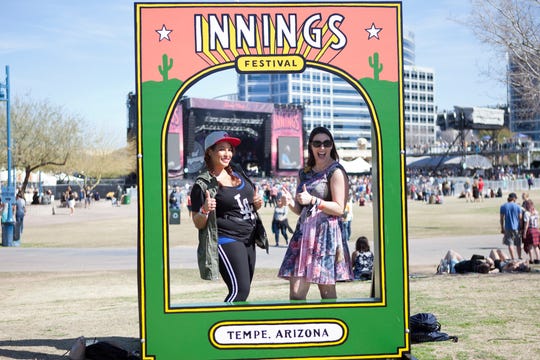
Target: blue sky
{"type": "Point", "coordinates": [80, 55]}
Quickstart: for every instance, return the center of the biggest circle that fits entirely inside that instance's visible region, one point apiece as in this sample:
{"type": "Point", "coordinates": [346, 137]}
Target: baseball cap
{"type": "Point", "coordinates": [219, 136]}
{"type": "Point", "coordinates": [512, 196]}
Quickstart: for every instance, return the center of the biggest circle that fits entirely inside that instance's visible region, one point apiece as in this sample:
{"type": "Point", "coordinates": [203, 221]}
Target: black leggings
{"type": "Point", "coordinates": [236, 266]}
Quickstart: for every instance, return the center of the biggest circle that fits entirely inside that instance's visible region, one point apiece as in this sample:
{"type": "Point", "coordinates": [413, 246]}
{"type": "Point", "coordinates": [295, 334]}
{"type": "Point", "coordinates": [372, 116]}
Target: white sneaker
{"type": "Point", "coordinates": [443, 267]}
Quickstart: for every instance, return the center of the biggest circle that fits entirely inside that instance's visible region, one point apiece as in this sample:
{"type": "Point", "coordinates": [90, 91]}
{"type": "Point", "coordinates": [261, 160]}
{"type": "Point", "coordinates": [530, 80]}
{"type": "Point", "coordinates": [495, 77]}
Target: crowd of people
{"type": "Point", "coordinates": [434, 188]}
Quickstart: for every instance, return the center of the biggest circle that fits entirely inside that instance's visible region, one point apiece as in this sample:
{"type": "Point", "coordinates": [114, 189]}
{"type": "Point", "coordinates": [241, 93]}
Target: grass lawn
{"type": "Point", "coordinates": [495, 316]}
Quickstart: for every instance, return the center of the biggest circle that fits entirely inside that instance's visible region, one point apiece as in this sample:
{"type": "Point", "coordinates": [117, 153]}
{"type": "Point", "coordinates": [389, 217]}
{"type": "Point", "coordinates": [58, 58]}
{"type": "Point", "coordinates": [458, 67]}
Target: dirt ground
{"type": "Point", "coordinates": [42, 313]}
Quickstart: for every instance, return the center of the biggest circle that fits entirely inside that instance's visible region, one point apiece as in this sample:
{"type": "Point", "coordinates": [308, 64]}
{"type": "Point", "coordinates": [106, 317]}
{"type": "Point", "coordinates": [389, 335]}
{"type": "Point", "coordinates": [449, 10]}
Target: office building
{"type": "Point", "coordinates": [524, 119]}
{"type": "Point", "coordinates": [330, 101]}
{"type": "Point", "coordinates": [419, 105]}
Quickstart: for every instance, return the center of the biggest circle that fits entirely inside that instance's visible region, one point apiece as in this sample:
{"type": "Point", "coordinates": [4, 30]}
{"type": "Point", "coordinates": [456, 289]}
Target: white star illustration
{"type": "Point", "coordinates": [164, 33]}
{"type": "Point", "coordinates": [373, 31]}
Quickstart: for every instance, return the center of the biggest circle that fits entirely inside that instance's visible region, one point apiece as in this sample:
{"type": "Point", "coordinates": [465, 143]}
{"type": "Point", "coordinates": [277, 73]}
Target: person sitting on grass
{"type": "Point", "coordinates": [362, 260]}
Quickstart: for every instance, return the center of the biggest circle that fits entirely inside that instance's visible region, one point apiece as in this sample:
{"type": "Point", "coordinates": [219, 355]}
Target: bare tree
{"type": "Point", "coordinates": [99, 159]}
{"type": "Point", "coordinates": [512, 28]}
{"type": "Point", "coordinates": [43, 136]}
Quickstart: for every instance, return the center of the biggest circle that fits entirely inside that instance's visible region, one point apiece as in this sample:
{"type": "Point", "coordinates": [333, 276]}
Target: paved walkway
{"type": "Point", "coordinates": [422, 252]}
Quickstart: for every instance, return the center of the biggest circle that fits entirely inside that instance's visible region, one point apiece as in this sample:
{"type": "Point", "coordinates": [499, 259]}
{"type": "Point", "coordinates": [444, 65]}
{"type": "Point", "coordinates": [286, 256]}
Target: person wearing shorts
{"type": "Point", "coordinates": [510, 220]}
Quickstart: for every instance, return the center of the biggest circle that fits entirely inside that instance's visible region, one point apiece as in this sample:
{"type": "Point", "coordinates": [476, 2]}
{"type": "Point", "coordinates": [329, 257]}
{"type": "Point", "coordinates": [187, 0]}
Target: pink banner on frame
{"type": "Point", "coordinates": [176, 148]}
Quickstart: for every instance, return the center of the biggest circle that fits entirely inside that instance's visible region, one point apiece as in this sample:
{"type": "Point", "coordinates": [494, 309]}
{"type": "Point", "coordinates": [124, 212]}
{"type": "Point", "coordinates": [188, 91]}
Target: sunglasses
{"type": "Point", "coordinates": [325, 143]}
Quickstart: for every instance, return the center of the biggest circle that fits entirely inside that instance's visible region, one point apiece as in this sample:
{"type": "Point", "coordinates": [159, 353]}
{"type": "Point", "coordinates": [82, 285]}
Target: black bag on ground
{"type": "Point", "coordinates": [103, 350]}
{"type": "Point", "coordinates": [424, 327]}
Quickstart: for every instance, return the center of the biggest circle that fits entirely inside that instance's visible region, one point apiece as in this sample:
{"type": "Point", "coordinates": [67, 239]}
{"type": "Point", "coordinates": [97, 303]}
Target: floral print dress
{"type": "Point", "coordinates": [317, 250]}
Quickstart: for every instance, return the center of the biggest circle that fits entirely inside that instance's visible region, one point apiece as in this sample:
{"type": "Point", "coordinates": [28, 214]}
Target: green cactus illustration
{"type": "Point", "coordinates": [374, 63]}
{"type": "Point", "coordinates": [167, 64]}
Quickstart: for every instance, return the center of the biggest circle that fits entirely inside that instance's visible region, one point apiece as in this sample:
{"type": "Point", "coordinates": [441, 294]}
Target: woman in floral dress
{"type": "Point", "coordinates": [318, 253]}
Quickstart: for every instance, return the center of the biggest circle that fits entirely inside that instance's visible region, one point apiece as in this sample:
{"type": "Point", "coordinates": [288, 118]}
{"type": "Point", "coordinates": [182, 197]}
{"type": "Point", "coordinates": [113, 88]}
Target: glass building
{"type": "Point", "coordinates": [408, 49]}
{"type": "Point", "coordinates": [330, 101]}
{"type": "Point", "coordinates": [419, 105]}
{"type": "Point", "coordinates": [523, 119]}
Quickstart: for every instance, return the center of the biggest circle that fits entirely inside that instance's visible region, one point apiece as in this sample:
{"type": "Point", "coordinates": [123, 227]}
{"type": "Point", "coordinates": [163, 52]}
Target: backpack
{"type": "Point", "coordinates": [424, 327]}
{"type": "Point", "coordinates": [106, 351]}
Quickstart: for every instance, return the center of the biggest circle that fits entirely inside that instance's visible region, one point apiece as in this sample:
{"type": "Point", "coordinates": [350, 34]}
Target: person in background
{"type": "Point", "coordinates": [317, 252]}
{"type": "Point", "coordinates": [88, 195]}
{"type": "Point", "coordinates": [531, 234]}
{"type": "Point", "coordinates": [475, 190]}
{"type": "Point", "coordinates": [347, 219]}
{"type": "Point", "coordinates": [224, 203]}
{"type": "Point", "coordinates": [81, 195]}
{"type": "Point", "coordinates": [35, 198]}
{"type": "Point", "coordinates": [481, 187]}
{"type": "Point", "coordinates": [524, 198]}
{"type": "Point", "coordinates": [266, 195]}
{"type": "Point", "coordinates": [71, 197]}
{"type": "Point", "coordinates": [174, 199]}
{"type": "Point", "coordinates": [530, 180]}
{"type": "Point", "coordinates": [454, 263]}
{"type": "Point", "coordinates": [20, 210]}
{"type": "Point", "coordinates": [188, 205]}
{"type": "Point", "coordinates": [362, 260]}
{"type": "Point", "coordinates": [467, 191]}
{"type": "Point", "coordinates": [119, 195]}
{"type": "Point", "coordinates": [506, 264]}
{"type": "Point", "coordinates": [510, 220]}
{"type": "Point", "coordinates": [280, 222]}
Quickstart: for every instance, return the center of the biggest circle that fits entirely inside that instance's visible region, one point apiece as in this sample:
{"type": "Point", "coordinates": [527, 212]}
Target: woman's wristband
{"type": "Point", "coordinates": [203, 212]}
{"type": "Point", "coordinates": [318, 202]}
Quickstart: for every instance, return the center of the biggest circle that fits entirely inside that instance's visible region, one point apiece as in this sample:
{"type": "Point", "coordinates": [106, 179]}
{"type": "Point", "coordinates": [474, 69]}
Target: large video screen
{"type": "Point", "coordinates": [289, 153]}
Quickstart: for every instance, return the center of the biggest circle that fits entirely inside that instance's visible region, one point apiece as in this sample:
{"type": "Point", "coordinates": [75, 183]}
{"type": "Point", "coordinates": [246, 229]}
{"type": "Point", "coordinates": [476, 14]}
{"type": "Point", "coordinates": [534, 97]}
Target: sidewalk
{"type": "Point", "coordinates": [422, 252]}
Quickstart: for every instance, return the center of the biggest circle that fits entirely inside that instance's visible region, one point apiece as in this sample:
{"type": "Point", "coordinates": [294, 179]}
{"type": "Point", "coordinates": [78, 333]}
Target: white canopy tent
{"type": "Point", "coordinates": [35, 177]}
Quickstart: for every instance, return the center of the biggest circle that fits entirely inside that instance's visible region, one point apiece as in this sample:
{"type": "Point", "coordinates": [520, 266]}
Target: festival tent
{"type": "Point", "coordinates": [424, 162]}
{"type": "Point", "coordinates": [35, 177]}
{"type": "Point", "coordinates": [356, 166]}
{"type": "Point", "coordinates": [478, 162]}
{"type": "Point", "coordinates": [431, 162]}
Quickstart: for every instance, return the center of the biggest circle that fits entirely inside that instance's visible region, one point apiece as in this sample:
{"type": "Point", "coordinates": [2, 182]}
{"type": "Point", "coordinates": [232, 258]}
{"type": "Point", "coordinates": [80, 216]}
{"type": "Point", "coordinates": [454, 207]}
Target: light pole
{"type": "Point", "coordinates": [8, 192]}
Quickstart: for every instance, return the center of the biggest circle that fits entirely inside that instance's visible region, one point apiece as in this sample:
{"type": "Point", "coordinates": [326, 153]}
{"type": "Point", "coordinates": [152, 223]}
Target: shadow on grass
{"type": "Point", "coordinates": [22, 349]}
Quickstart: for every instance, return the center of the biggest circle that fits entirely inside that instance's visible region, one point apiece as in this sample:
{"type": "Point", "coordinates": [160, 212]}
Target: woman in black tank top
{"type": "Point", "coordinates": [230, 207]}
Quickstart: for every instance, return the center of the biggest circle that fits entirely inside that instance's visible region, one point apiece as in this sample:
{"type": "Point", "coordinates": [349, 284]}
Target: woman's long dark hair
{"type": "Point", "coordinates": [311, 157]}
{"type": "Point", "coordinates": [362, 244]}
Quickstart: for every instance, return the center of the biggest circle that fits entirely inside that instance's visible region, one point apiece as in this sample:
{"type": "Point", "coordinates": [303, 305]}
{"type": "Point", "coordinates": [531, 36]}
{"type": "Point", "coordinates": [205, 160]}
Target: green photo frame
{"type": "Point", "coordinates": [358, 41]}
